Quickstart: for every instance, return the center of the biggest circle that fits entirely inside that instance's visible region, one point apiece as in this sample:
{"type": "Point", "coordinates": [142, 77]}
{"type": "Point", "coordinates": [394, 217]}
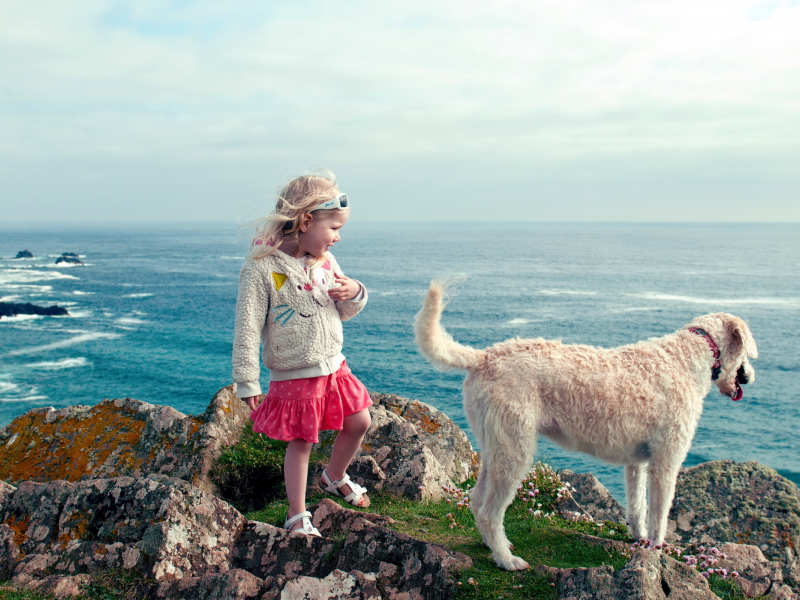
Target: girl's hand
{"type": "Point", "coordinates": [348, 288]}
{"type": "Point", "coordinates": [252, 402]}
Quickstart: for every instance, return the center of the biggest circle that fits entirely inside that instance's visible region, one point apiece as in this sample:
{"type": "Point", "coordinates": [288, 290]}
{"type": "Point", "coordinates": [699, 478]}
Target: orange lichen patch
{"type": "Point", "coordinates": [422, 418]}
{"type": "Point", "coordinates": [75, 528]}
{"type": "Point", "coordinates": [20, 528]}
{"type": "Point", "coordinates": [79, 443]}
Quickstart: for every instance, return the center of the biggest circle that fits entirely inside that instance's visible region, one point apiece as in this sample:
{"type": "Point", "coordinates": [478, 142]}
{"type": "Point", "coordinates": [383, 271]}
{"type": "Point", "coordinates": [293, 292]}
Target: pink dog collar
{"type": "Point", "coordinates": [717, 366]}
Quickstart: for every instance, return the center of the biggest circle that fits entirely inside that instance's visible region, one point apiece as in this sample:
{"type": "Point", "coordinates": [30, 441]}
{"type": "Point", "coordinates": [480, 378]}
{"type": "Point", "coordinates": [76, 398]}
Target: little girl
{"type": "Point", "coordinates": [292, 300]}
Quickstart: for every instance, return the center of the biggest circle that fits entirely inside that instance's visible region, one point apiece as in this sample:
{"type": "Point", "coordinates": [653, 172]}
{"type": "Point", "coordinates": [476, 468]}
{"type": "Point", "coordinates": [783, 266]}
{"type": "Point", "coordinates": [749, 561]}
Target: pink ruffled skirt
{"type": "Point", "coordinates": [301, 408]}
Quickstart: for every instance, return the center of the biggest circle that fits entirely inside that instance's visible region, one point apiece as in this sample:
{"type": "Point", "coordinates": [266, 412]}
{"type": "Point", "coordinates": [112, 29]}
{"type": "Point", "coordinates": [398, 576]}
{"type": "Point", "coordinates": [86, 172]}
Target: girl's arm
{"type": "Point", "coordinates": [252, 306]}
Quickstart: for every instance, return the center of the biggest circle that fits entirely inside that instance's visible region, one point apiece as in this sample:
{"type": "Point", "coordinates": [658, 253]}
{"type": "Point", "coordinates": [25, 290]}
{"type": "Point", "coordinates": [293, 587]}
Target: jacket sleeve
{"type": "Point", "coordinates": [252, 305]}
{"type": "Point", "coordinates": [348, 308]}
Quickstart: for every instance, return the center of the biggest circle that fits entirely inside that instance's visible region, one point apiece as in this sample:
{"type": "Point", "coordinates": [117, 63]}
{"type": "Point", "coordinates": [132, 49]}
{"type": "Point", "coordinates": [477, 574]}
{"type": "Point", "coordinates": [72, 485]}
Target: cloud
{"type": "Point", "coordinates": [118, 92]}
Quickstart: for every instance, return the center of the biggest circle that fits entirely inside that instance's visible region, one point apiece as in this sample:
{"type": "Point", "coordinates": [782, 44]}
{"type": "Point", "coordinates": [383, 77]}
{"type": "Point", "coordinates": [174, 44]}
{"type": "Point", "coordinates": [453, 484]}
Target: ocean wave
{"type": "Point", "coordinates": [8, 276]}
{"type": "Point", "coordinates": [768, 301]}
{"type": "Point", "coordinates": [518, 321]}
{"type": "Point", "coordinates": [82, 293]}
{"type": "Point", "coordinates": [231, 257]}
{"type": "Point", "coordinates": [18, 318]}
{"type": "Point", "coordinates": [567, 293]}
{"type": "Point", "coordinates": [129, 321]}
{"type": "Point", "coordinates": [65, 363]}
{"type": "Point", "coordinates": [10, 298]}
{"type": "Point", "coordinates": [78, 314]}
{"type": "Point", "coordinates": [29, 289]}
{"type": "Point", "coordinates": [142, 295]}
{"type": "Point", "coordinates": [7, 386]}
{"type": "Point", "coordinates": [79, 339]}
{"type": "Point", "coordinates": [23, 399]}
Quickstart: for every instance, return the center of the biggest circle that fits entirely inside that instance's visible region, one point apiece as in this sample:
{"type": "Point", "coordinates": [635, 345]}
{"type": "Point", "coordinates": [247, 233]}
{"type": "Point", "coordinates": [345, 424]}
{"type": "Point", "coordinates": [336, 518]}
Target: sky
{"type": "Point", "coordinates": [437, 110]}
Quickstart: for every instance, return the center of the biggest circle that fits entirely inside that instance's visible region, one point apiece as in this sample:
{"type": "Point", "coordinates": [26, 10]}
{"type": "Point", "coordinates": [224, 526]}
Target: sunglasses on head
{"type": "Point", "coordinates": [338, 201]}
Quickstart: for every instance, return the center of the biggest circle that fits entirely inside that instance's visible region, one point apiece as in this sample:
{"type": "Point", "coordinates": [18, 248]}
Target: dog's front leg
{"type": "Point", "coordinates": [662, 475]}
{"type": "Point", "coordinates": [635, 489]}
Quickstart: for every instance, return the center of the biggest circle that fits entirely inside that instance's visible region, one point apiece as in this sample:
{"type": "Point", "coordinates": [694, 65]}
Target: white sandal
{"type": "Point", "coordinates": [307, 527]}
{"type": "Point", "coordinates": [356, 491]}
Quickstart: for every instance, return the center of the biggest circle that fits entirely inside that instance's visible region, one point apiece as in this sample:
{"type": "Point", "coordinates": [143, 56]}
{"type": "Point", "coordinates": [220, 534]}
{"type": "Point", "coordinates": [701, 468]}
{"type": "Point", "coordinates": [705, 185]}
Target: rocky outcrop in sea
{"type": "Point", "coordinates": [12, 309]}
{"type": "Point", "coordinates": [24, 254]}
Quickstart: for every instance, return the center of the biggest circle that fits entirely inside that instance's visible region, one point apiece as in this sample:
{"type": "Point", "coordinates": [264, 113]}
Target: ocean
{"type": "Point", "coordinates": [151, 312]}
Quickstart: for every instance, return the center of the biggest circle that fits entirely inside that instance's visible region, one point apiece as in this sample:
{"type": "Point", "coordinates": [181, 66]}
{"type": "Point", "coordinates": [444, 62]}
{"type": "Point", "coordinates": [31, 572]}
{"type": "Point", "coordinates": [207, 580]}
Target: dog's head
{"type": "Point", "coordinates": [736, 344]}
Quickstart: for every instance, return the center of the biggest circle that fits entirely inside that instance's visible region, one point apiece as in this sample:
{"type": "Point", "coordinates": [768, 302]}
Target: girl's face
{"type": "Point", "coordinates": [319, 233]}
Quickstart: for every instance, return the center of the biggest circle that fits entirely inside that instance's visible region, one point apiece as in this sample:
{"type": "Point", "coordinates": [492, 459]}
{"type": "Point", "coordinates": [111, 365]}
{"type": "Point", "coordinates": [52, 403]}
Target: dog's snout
{"type": "Point", "coordinates": [742, 376]}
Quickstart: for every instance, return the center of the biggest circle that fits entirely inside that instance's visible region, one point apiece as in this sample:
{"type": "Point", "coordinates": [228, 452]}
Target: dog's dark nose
{"type": "Point", "coordinates": [741, 376]}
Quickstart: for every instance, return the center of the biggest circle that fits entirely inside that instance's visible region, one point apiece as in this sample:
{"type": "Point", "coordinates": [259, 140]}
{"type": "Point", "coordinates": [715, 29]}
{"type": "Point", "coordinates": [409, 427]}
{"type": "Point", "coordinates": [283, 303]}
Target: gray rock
{"type": "Point", "coordinates": [268, 551]}
{"type": "Point", "coordinates": [446, 440]}
{"type": "Point", "coordinates": [165, 528]}
{"type": "Point", "coordinates": [337, 585]}
{"type": "Point", "coordinates": [745, 503]}
{"type": "Point", "coordinates": [648, 576]}
{"type": "Point", "coordinates": [331, 519]}
{"type": "Point", "coordinates": [593, 497]}
{"type": "Point", "coordinates": [122, 437]}
{"type": "Point", "coordinates": [406, 465]}
{"type": "Point", "coordinates": [405, 567]}
{"type": "Point", "coordinates": [758, 576]}
{"type": "Point", "coordinates": [231, 585]}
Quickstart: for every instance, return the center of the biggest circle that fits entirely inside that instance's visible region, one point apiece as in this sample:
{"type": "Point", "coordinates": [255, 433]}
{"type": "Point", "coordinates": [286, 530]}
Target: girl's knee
{"type": "Point", "coordinates": [358, 423]}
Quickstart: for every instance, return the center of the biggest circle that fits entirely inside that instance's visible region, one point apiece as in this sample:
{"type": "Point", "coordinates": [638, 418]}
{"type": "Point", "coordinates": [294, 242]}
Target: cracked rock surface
{"type": "Point", "coordinates": [192, 545]}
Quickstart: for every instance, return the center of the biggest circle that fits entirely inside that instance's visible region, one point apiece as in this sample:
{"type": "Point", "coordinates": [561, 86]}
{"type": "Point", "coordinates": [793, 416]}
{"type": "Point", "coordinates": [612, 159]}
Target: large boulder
{"type": "Point", "coordinates": [24, 254]}
{"type": "Point", "coordinates": [185, 543]}
{"type": "Point", "coordinates": [162, 527]}
{"type": "Point", "coordinates": [122, 437]}
{"type": "Point", "coordinates": [411, 449]}
{"type": "Point", "coordinates": [745, 503]}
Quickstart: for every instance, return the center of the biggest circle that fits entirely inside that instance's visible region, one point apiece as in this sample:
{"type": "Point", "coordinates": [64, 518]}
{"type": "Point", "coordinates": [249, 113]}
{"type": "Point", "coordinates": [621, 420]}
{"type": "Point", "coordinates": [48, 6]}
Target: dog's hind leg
{"type": "Point", "coordinates": [635, 489]}
{"type": "Point", "coordinates": [662, 476]}
{"type": "Point", "coordinates": [505, 458]}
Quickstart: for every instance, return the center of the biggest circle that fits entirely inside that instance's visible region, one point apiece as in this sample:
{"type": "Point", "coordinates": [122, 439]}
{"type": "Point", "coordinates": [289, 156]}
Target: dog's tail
{"type": "Point", "coordinates": [433, 341]}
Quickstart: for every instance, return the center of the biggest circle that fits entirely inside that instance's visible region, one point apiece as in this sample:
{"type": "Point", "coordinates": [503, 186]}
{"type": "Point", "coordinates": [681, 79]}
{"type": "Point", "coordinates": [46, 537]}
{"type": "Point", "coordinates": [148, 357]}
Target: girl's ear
{"type": "Point", "coordinates": [305, 222]}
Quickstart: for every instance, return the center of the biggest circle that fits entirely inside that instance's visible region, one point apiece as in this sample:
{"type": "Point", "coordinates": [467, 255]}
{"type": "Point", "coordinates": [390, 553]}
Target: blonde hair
{"type": "Point", "coordinates": [296, 198]}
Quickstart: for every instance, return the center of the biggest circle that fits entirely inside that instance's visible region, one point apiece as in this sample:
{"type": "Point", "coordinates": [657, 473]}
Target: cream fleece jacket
{"type": "Point", "coordinates": [300, 326]}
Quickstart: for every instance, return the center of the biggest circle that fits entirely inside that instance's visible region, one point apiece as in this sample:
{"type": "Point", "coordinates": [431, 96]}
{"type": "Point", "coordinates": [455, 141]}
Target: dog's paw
{"type": "Point", "coordinates": [514, 563]}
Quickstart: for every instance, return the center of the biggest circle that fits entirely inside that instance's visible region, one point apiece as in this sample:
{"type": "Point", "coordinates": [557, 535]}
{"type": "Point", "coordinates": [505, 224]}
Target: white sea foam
{"type": "Point", "coordinates": [129, 321]}
{"type": "Point", "coordinates": [767, 301]}
{"type": "Point", "coordinates": [10, 298]}
{"type": "Point", "coordinates": [391, 293]}
{"type": "Point", "coordinates": [142, 295]}
{"type": "Point", "coordinates": [78, 339]}
{"type": "Point", "coordinates": [82, 293]}
{"type": "Point", "coordinates": [8, 276]}
{"type": "Point", "coordinates": [232, 257]}
{"type": "Point", "coordinates": [567, 293]}
{"type": "Point", "coordinates": [7, 386]}
{"type": "Point", "coordinates": [18, 318]}
{"type": "Point", "coordinates": [518, 321]}
{"type": "Point", "coordinates": [23, 399]}
{"type": "Point", "coordinates": [65, 363]}
{"type": "Point", "coordinates": [79, 314]}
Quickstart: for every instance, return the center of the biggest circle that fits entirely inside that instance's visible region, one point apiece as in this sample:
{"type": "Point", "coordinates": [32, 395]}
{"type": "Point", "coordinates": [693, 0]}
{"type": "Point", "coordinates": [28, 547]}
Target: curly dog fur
{"type": "Point", "coordinates": [636, 405]}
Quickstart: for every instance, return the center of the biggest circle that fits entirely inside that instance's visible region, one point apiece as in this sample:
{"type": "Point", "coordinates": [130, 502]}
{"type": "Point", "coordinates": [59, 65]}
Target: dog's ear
{"type": "Point", "coordinates": [741, 338]}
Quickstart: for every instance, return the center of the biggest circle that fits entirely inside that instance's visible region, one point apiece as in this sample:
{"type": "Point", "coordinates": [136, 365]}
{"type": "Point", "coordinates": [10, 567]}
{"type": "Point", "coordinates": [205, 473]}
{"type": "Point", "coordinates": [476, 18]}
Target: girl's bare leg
{"type": "Point", "coordinates": [347, 443]}
{"type": "Point", "coordinates": [295, 473]}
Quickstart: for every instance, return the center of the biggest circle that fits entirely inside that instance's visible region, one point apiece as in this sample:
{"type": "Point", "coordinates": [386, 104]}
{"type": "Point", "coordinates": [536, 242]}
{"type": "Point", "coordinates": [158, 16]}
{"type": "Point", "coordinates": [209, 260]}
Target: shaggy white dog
{"type": "Point", "coordinates": [636, 405]}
